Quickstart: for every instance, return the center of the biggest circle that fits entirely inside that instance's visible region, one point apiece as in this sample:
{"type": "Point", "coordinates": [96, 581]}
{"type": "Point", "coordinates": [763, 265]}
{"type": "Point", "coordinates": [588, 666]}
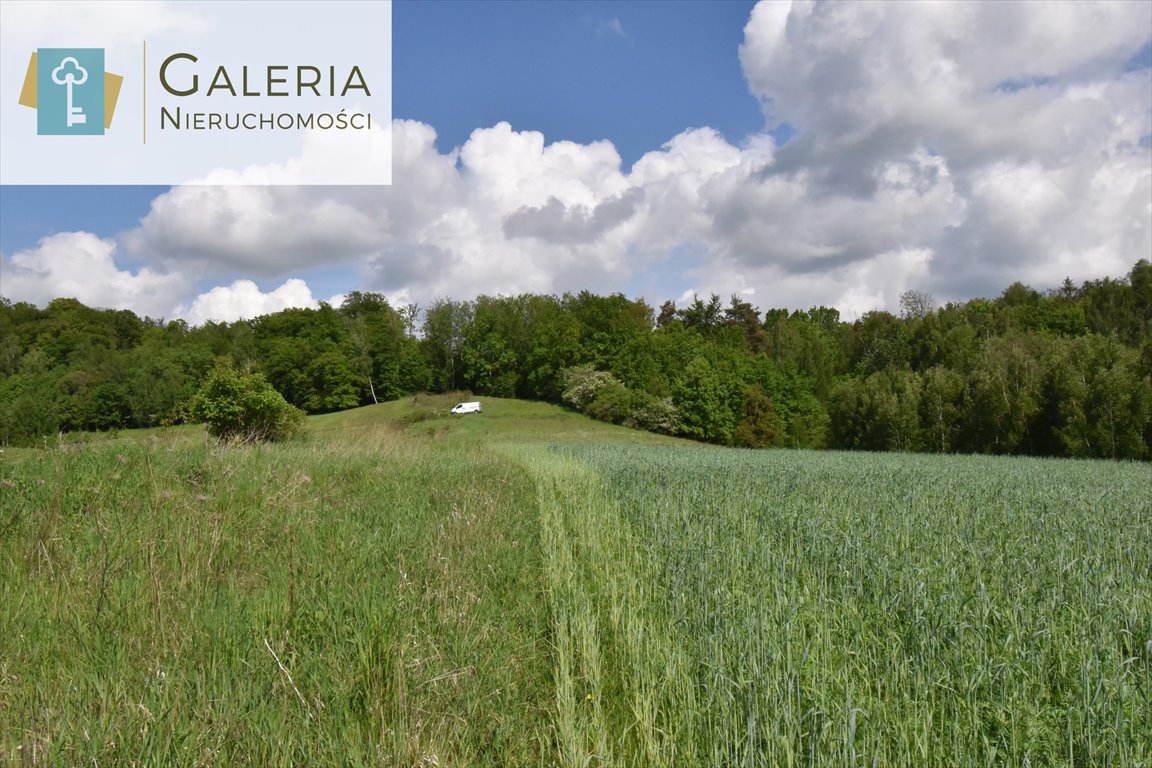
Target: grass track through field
{"type": "Point", "coordinates": [614, 662]}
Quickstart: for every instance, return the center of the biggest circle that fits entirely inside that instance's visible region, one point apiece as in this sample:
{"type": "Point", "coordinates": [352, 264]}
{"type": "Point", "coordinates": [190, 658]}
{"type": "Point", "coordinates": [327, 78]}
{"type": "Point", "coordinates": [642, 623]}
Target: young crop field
{"type": "Point", "coordinates": [748, 608]}
{"type": "Point", "coordinates": [529, 587]}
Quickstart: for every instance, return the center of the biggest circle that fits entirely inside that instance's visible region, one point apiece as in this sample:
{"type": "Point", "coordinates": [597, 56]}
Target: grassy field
{"type": "Point", "coordinates": [528, 587]}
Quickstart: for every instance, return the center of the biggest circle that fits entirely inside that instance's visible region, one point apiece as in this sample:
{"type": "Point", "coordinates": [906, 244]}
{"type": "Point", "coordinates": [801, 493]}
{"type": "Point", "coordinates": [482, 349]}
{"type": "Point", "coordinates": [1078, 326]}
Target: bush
{"type": "Point", "coordinates": [415, 417]}
{"type": "Point", "coordinates": [583, 385]}
{"type": "Point", "coordinates": [613, 403]}
{"type": "Point", "coordinates": [602, 396]}
{"type": "Point", "coordinates": [244, 407]}
{"type": "Point", "coordinates": [654, 414]}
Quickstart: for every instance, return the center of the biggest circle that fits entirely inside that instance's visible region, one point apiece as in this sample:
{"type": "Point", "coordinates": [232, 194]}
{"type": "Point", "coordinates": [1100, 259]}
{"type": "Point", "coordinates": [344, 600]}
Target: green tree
{"type": "Point", "coordinates": [1004, 394]}
{"type": "Point", "coordinates": [703, 315]}
{"type": "Point", "coordinates": [108, 406]}
{"type": "Point", "coordinates": [703, 403]}
{"type": "Point", "coordinates": [940, 401]}
{"type": "Point", "coordinates": [882, 342]}
{"type": "Point", "coordinates": [808, 422]}
{"type": "Point", "coordinates": [880, 413]}
{"type": "Point", "coordinates": [606, 324]}
{"type": "Point", "coordinates": [1104, 403]}
{"type": "Point", "coordinates": [163, 374]}
{"type": "Point", "coordinates": [760, 425]}
{"type": "Point", "coordinates": [29, 411]}
{"type": "Point", "coordinates": [583, 385]}
{"type": "Point", "coordinates": [442, 341]}
{"type": "Point", "coordinates": [495, 342]}
{"type": "Point", "coordinates": [333, 385]}
{"type": "Point", "coordinates": [379, 347]}
{"type": "Point", "coordinates": [651, 362]}
{"type": "Point", "coordinates": [807, 342]}
{"type": "Point", "coordinates": [655, 414]}
{"type": "Point", "coordinates": [743, 315]}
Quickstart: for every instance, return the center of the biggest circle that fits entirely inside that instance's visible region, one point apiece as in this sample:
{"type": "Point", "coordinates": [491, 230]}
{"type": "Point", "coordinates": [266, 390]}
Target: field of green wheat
{"type": "Point", "coordinates": [528, 587]}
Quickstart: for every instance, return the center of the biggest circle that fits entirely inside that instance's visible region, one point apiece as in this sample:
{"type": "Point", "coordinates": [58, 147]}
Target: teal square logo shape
{"type": "Point", "coordinates": [70, 91]}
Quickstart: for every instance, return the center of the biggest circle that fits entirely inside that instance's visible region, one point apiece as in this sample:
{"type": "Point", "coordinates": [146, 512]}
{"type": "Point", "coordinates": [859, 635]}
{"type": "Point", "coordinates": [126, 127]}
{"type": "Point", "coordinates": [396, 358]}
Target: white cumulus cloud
{"type": "Point", "coordinates": [243, 300]}
{"type": "Point", "coordinates": [999, 138]}
{"type": "Point", "coordinates": [950, 147]}
{"type": "Point", "coordinates": [81, 265]}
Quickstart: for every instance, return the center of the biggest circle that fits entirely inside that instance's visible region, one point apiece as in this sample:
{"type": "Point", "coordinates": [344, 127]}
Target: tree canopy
{"type": "Point", "coordinates": [1063, 372]}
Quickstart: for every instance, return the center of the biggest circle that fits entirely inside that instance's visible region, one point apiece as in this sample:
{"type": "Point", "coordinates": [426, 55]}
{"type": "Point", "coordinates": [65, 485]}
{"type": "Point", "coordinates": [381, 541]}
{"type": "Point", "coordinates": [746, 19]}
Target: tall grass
{"type": "Point", "coordinates": [352, 600]}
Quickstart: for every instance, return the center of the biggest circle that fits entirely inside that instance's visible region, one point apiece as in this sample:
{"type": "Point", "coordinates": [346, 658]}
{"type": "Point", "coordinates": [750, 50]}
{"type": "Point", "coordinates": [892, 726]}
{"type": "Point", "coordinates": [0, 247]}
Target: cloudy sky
{"type": "Point", "coordinates": [798, 153]}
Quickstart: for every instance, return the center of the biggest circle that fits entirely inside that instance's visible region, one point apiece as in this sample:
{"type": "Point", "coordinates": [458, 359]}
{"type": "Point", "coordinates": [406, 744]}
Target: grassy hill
{"type": "Point", "coordinates": [503, 420]}
{"type": "Point", "coordinates": [526, 586]}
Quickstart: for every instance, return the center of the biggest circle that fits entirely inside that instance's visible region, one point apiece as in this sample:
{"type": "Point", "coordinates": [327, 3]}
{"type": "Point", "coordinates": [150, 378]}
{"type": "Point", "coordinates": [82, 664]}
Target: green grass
{"type": "Point", "coordinates": [351, 599]}
{"type": "Point", "coordinates": [403, 587]}
{"type": "Point", "coordinates": [502, 421]}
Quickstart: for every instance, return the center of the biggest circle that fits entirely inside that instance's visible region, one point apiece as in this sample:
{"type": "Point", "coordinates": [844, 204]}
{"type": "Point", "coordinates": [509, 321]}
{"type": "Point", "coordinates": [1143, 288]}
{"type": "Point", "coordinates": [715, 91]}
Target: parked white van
{"type": "Point", "coordinates": [466, 408]}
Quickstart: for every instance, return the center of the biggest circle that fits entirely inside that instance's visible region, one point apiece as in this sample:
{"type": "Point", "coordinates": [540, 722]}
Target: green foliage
{"type": "Point", "coordinates": [333, 385]}
{"type": "Point", "coordinates": [583, 384]}
{"type": "Point", "coordinates": [702, 400]}
{"type": "Point", "coordinates": [244, 407]}
{"type": "Point", "coordinates": [602, 396]}
{"type": "Point", "coordinates": [442, 341]}
{"type": "Point", "coordinates": [28, 410]}
{"type": "Point", "coordinates": [704, 316]}
{"type": "Point", "coordinates": [1004, 393]}
{"type": "Point", "coordinates": [604, 325]}
{"type": "Point", "coordinates": [613, 404]}
{"type": "Point", "coordinates": [880, 413]}
{"type": "Point", "coordinates": [1059, 372]}
{"type": "Point", "coordinates": [940, 408]}
{"type": "Point", "coordinates": [808, 422]}
{"type": "Point", "coordinates": [108, 406]}
{"type": "Point", "coordinates": [760, 425]}
{"type": "Point", "coordinates": [654, 414]}
{"type": "Point", "coordinates": [1103, 401]}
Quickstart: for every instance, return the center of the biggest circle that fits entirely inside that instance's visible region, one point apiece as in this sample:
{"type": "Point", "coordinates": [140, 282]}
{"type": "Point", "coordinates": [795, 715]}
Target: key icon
{"type": "Point", "coordinates": [69, 76]}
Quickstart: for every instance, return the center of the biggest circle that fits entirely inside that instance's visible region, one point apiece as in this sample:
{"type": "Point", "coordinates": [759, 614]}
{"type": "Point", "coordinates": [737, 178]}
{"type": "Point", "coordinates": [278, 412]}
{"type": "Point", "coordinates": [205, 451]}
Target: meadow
{"type": "Point", "coordinates": [530, 587]}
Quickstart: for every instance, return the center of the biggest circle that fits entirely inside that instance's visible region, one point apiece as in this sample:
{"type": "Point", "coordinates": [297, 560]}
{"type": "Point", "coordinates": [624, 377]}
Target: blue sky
{"type": "Point", "coordinates": [798, 154]}
{"type": "Point", "coordinates": [635, 73]}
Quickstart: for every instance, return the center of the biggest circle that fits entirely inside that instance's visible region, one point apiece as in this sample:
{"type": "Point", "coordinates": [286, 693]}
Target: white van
{"type": "Point", "coordinates": [466, 408]}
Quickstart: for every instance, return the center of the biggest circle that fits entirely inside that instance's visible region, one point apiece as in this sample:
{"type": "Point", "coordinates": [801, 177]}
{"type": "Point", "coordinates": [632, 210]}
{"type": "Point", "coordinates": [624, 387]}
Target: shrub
{"type": "Point", "coordinates": [655, 414]}
{"type": "Point", "coordinates": [613, 403]}
{"type": "Point", "coordinates": [583, 385]}
{"type": "Point", "coordinates": [244, 407]}
{"type": "Point", "coordinates": [602, 396]}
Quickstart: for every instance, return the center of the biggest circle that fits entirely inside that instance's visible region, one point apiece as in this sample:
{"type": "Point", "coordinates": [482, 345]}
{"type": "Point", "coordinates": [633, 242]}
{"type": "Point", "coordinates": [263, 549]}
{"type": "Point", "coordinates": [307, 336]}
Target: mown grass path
{"type": "Point", "coordinates": [622, 684]}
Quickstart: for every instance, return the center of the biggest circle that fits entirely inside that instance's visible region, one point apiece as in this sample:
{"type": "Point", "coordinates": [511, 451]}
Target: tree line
{"type": "Point", "coordinates": [1066, 372]}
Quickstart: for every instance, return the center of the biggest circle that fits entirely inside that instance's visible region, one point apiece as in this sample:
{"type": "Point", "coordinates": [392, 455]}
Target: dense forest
{"type": "Point", "coordinates": [1066, 372]}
